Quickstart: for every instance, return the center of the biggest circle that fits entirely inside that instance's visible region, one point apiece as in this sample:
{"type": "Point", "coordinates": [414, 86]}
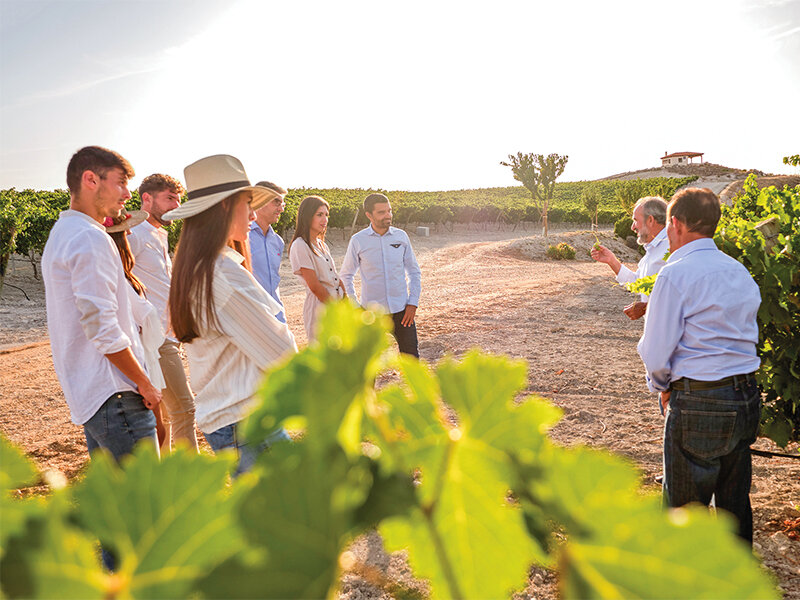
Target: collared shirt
{"type": "Point", "coordinates": [651, 262]}
{"type": "Point", "coordinates": [701, 319]}
{"type": "Point", "coordinates": [384, 261]}
{"type": "Point", "coordinates": [227, 361]}
{"type": "Point", "coordinates": [89, 313]}
{"type": "Point", "coordinates": [153, 266]}
{"type": "Point", "coordinates": [266, 251]}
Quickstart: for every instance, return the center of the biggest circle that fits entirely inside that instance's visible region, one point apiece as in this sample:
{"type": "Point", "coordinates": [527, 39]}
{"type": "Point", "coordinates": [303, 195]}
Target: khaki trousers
{"type": "Point", "coordinates": [177, 397]}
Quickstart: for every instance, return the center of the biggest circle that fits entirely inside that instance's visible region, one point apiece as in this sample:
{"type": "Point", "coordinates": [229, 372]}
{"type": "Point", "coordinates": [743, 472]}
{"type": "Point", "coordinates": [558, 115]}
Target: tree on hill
{"type": "Point", "coordinates": [538, 173]}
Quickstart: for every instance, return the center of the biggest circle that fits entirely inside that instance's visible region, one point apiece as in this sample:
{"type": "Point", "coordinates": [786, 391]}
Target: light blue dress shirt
{"type": "Point", "coordinates": [266, 251]}
{"type": "Point", "coordinates": [650, 264]}
{"type": "Point", "coordinates": [701, 318]}
{"type": "Point", "coordinates": [384, 261]}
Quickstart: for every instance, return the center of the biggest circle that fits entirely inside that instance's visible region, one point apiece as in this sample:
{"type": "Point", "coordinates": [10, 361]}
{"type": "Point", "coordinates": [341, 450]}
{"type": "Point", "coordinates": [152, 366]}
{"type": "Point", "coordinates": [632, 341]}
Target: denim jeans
{"type": "Point", "coordinates": [228, 437]}
{"type": "Point", "coordinates": [121, 422]}
{"type": "Point", "coordinates": [707, 437]}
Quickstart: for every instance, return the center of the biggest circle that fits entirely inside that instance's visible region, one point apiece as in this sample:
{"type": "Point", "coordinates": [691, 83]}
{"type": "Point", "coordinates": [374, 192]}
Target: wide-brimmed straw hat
{"type": "Point", "coordinates": [125, 220]}
{"type": "Point", "coordinates": [212, 179]}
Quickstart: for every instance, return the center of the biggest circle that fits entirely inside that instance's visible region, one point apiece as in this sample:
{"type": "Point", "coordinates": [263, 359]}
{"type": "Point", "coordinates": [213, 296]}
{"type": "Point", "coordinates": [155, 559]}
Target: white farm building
{"type": "Point", "coordinates": [680, 158]}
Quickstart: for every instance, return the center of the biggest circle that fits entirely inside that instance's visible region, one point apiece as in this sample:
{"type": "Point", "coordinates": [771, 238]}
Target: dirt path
{"type": "Point", "coordinates": [564, 318]}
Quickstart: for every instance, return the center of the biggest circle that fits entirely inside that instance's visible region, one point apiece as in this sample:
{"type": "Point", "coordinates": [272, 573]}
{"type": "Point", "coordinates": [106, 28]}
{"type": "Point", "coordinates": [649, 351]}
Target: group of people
{"type": "Point", "coordinates": [699, 350]}
{"type": "Point", "coordinates": [119, 309]}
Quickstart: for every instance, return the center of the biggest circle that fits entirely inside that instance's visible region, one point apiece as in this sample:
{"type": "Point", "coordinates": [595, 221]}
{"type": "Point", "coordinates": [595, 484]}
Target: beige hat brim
{"type": "Point", "coordinates": [195, 206]}
{"type": "Point", "coordinates": [136, 217]}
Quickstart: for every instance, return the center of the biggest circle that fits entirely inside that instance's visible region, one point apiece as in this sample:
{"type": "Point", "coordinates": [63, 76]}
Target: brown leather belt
{"type": "Point", "coordinates": [689, 385]}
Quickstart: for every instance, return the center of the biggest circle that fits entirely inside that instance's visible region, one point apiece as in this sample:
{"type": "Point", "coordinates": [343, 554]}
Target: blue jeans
{"type": "Point", "coordinates": [228, 437]}
{"type": "Point", "coordinates": [117, 426]}
{"type": "Point", "coordinates": [707, 437]}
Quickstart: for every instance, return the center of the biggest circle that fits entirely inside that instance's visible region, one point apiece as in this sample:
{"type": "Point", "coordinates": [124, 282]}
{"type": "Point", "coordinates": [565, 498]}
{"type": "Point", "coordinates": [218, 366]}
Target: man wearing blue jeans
{"type": "Point", "coordinates": [699, 351]}
{"type": "Point", "coordinates": [97, 352]}
{"type": "Point", "coordinates": [390, 275]}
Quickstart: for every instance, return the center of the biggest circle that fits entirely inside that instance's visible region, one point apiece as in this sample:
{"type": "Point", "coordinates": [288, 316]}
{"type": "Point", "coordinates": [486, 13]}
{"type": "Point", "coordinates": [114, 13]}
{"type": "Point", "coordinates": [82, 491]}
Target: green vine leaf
{"type": "Point", "coordinates": [166, 521]}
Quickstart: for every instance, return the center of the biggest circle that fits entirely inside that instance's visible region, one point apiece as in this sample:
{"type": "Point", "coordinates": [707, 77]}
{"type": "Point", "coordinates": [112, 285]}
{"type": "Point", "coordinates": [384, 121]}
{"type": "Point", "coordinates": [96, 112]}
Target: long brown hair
{"type": "Point", "coordinates": [243, 248]}
{"type": "Point", "coordinates": [191, 298]}
{"type": "Point", "coordinates": [305, 212]}
{"type": "Point", "coordinates": [121, 240]}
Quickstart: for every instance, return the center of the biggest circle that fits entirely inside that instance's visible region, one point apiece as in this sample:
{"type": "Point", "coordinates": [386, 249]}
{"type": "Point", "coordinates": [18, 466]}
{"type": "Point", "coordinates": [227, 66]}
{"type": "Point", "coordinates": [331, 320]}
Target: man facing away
{"type": "Point", "coordinates": [649, 219]}
{"type": "Point", "coordinates": [153, 266]}
{"type": "Point", "coordinates": [385, 258]}
{"type": "Point", "coordinates": [266, 246]}
{"type": "Point", "coordinates": [97, 353]}
{"type": "Point", "coordinates": [699, 352]}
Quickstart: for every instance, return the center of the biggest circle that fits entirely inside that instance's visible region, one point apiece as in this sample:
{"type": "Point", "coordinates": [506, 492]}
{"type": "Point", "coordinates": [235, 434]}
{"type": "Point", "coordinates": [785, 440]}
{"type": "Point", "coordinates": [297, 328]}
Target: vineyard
{"type": "Point", "coordinates": [418, 459]}
{"type": "Point", "coordinates": [27, 216]}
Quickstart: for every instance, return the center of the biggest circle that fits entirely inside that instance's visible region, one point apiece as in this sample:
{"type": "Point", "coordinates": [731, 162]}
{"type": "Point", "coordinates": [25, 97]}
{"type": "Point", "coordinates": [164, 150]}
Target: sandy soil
{"type": "Point", "coordinates": [484, 288]}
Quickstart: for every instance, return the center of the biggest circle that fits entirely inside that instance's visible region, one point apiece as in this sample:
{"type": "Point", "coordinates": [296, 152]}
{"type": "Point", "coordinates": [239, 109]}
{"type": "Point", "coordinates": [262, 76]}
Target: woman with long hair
{"type": "Point", "coordinates": [312, 262]}
{"type": "Point", "coordinates": [217, 309]}
{"type": "Point", "coordinates": [144, 314]}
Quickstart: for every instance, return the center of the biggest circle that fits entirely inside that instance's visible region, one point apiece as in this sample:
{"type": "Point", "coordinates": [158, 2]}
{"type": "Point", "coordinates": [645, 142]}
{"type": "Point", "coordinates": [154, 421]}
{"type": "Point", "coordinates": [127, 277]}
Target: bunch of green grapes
{"type": "Point", "coordinates": [643, 285]}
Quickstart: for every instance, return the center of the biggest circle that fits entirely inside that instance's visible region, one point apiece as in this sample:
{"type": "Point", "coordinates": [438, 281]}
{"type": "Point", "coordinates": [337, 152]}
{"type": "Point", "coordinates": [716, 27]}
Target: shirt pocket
{"type": "Point", "coordinates": [708, 434]}
{"type": "Point", "coordinates": [396, 251]}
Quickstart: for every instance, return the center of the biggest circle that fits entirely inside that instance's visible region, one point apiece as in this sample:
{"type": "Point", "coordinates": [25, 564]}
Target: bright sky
{"type": "Point", "coordinates": [413, 95]}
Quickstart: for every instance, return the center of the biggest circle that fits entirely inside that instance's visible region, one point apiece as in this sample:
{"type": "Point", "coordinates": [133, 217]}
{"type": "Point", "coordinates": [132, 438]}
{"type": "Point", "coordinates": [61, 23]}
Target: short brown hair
{"type": "Point", "coordinates": [373, 199]}
{"type": "Point", "coordinates": [272, 186]}
{"type": "Point", "coordinates": [698, 208]}
{"type": "Point", "coordinates": [98, 160]}
{"type": "Point", "coordinates": [158, 183]}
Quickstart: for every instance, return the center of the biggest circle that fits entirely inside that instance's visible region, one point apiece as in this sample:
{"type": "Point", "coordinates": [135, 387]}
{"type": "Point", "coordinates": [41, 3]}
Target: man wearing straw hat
{"type": "Point", "coordinates": [150, 249]}
{"type": "Point", "coordinates": [97, 353]}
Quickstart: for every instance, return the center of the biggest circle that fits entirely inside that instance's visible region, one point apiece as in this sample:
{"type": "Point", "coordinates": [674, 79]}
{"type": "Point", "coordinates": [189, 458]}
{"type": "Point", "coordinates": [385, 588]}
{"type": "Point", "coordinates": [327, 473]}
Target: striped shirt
{"type": "Point", "coordinates": [227, 361]}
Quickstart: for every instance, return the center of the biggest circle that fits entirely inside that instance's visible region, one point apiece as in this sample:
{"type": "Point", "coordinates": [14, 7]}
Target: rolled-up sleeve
{"type": "Point", "coordinates": [95, 291]}
{"type": "Point", "coordinates": [414, 275]}
{"type": "Point", "coordinates": [349, 268]}
{"type": "Point", "coordinates": [662, 331]}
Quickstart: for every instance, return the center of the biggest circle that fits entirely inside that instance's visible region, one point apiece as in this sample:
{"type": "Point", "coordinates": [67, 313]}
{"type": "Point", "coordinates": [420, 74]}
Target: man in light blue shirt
{"type": "Point", "coordinates": [649, 220]}
{"type": "Point", "coordinates": [266, 246]}
{"type": "Point", "coordinates": [699, 352]}
{"type": "Point", "coordinates": [390, 275]}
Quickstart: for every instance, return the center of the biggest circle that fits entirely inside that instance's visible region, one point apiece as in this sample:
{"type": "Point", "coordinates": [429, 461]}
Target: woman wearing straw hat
{"type": "Point", "coordinates": [312, 261]}
{"type": "Point", "coordinates": [144, 314]}
{"type": "Point", "coordinates": [217, 309]}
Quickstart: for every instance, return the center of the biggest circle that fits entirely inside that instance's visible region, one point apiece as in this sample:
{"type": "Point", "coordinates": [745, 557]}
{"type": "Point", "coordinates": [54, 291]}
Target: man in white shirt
{"type": "Point", "coordinates": [150, 248]}
{"type": "Point", "coordinates": [699, 352]}
{"type": "Point", "coordinates": [390, 275]}
{"type": "Point", "coordinates": [97, 353]}
{"type": "Point", "coordinates": [649, 219]}
{"type": "Point", "coordinates": [266, 246]}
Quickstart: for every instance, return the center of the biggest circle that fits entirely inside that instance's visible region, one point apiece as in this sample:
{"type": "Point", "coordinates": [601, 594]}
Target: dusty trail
{"type": "Point", "coordinates": [564, 318]}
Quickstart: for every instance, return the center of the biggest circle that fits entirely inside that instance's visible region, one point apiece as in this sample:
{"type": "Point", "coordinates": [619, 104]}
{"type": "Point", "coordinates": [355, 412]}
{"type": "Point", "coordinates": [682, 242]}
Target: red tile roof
{"type": "Point", "coordinates": [689, 154]}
